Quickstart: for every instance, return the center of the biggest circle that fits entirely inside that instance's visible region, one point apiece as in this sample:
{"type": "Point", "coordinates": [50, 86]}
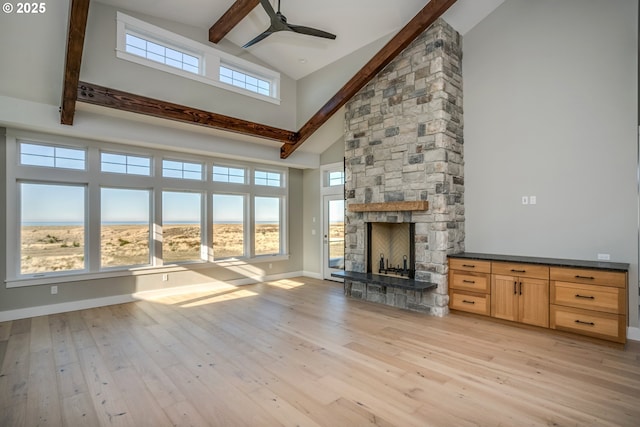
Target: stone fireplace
{"type": "Point", "coordinates": [404, 147]}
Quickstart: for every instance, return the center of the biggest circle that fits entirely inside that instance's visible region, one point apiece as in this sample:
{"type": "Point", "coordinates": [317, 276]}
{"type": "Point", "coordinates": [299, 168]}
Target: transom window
{"type": "Point", "coordinates": [229, 174]}
{"type": "Point", "coordinates": [52, 156]}
{"type": "Point", "coordinates": [336, 178]}
{"type": "Point", "coordinates": [151, 46]}
{"type": "Point", "coordinates": [182, 170]}
{"type": "Point", "coordinates": [245, 81]}
{"type": "Point", "coordinates": [270, 179]}
{"type": "Point", "coordinates": [125, 163]}
{"type": "Point", "coordinates": [159, 52]}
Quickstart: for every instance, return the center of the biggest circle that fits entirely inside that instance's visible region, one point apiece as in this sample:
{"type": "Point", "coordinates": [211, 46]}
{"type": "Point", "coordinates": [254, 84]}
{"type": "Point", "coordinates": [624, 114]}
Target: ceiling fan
{"type": "Point", "coordinates": [279, 23]}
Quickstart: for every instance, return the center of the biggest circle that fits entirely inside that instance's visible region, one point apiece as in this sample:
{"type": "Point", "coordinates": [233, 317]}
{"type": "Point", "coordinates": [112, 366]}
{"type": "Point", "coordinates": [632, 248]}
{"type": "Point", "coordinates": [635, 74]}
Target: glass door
{"type": "Point", "coordinates": [333, 235]}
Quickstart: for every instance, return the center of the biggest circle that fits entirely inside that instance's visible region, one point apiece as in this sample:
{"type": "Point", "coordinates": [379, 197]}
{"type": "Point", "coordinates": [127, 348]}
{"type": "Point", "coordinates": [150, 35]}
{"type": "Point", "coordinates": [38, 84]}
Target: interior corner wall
{"type": "Point", "coordinates": [3, 212]}
{"type": "Point", "coordinates": [551, 101]}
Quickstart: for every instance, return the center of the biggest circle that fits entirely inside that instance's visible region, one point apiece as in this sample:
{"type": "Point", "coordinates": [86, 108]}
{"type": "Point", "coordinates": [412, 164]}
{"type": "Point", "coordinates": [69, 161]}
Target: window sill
{"type": "Point", "coordinates": [139, 271]}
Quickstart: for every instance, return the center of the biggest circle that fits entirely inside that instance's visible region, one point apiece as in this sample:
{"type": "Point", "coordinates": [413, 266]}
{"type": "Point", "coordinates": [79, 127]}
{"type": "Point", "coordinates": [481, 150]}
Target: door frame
{"type": "Point", "coordinates": [328, 192]}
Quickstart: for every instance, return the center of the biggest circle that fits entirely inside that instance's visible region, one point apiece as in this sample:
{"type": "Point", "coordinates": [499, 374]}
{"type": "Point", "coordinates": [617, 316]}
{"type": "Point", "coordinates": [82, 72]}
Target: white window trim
{"type": "Point", "coordinates": [95, 179]}
{"type": "Point", "coordinates": [209, 58]}
{"type": "Point", "coordinates": [325, 188]}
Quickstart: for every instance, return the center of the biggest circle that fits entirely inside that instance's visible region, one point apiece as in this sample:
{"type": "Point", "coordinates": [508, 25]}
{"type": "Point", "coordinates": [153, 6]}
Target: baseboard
{"type": "Point", "coordinates": [312, 275]}
{"type": "Point", "coordinates": [43, 310]}
{"type": "Point", "coordinates": [633, 333]}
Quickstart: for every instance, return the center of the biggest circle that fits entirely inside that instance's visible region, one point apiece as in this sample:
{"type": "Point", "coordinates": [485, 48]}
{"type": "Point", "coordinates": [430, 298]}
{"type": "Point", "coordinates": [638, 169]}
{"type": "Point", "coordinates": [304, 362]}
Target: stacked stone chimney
{"type": "Point", "coordinates": [404, 143]}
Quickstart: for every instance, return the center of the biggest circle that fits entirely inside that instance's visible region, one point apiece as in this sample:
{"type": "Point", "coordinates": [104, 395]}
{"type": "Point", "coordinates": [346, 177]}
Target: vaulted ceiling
{"type": "Point", "coordinates": [356, 23]}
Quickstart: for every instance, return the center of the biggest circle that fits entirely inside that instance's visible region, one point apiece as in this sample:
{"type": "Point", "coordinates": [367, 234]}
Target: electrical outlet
{"type": "Point", "coordinates": [270, 266]}
{"type": "Point", "coordinates": [313, 232]}
{"type": "Point", "coordinates": [525, 200]}
{"type": "Point", "coordinates": [533, 200]}
{"type": "Point", "coordinates": [54, 290]}
{"type": "Point", "coordinates": [165, 277]}
{"type": "Point", "coordinates": [604, 257]}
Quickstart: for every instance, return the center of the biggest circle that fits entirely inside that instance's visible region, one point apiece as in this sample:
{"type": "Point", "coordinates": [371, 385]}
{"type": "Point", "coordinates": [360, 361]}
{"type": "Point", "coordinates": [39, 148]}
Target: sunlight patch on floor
{"type": "Point", "coordinates": [286, 284]}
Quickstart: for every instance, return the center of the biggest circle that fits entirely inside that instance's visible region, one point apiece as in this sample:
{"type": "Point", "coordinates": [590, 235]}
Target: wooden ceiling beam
{"type": "Point", "coordinates": [427, 16]}
{"type": "Point", "coordinates": [78, 15]}
{"type": "Point", "coordinates": [112, 98]}
{"type": "Point", "coordinates": [231, 18]}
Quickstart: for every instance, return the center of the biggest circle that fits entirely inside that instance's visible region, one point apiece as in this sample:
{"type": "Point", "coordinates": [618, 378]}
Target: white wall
{"type": "Point", "coordinates": [550, 100]}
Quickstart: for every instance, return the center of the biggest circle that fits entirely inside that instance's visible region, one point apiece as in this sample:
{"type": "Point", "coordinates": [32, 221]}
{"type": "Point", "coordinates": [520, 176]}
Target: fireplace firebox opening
{"type": "Point", "coordinates": [391, 249]}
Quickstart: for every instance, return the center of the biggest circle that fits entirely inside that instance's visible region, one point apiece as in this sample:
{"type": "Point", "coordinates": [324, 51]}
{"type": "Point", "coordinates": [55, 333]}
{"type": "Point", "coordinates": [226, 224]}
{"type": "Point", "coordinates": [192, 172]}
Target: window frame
{"type": "Point", "coordinates": [94, 179]}
{"type": "Point", "coordinates": [210, 58]}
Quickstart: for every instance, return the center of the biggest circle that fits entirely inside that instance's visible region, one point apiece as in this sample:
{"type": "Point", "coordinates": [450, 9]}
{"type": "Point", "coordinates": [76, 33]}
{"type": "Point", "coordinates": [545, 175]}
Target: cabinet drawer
{"type": "Point", "coordinates": [585, 275]}
{"type": "Point", "coordinates": [521, 270]}
{"type": "Point", "coordinates": [601, 325]}
{"type": "Point", "coordinates": [470, 265]}
{"type": "Point", "coordinates": [473, 303]}
{"type": "Point", "coordinates": [600, 298]}
{"type": "Point", "coordinates": [475, 282]}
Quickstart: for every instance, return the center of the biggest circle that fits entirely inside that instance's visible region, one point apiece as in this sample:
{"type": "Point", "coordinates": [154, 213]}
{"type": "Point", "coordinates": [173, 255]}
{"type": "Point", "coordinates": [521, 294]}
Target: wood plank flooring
{"type": "Point", "coordinates": [298, 353]}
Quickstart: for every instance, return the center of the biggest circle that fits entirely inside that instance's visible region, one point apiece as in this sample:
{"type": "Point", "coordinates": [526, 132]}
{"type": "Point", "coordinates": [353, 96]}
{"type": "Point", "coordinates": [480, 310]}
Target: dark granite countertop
{"type": "Point", "coordinates": [380, 280]}
{"type": "Point", "coordinates": [604, 265]}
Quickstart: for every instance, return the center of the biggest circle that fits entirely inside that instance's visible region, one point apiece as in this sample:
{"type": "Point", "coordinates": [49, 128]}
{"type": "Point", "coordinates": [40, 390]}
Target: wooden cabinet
{"type": "Point", "coordinates": [520, 298]}
{"type": "Point", "coordinates": [470, 286]}
{"type": "Point", "coordinates": [589, 302]}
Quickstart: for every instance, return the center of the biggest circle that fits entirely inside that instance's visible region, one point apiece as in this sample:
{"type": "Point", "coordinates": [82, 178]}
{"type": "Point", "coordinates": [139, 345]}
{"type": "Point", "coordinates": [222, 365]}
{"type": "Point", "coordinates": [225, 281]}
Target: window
{"type": "Point", "coordinates": [228, 174]}
{"type": "Point", "coordinates": [124, 227]}
{"type": "Point", "coordinates": [182, 170]}
{"type": "Point", "coordinates": [52, 228]}
{"type": "Point", "coordinates": [267, 225]}
{"type": "Point", "coordinates": [228, 226]}
{"type": "Point", "coordinates": [245, 81]}
{"type": "Point", "coordinates": [120, 218]}
{"type": "Point", "coordinates": [159, 52]}
{"type": "Point", "coordinates": [52, 156]}
{"type": "Point", "coordinates": [181, 226]}
{"type": "Point", "coordinates": [151, 46]}
{"type": "Point", "coordinates": [126, 164]}
{"type": "Point", "coordinates": [336, 178]}
{"type": "Point", "coordinates": [270, 179]}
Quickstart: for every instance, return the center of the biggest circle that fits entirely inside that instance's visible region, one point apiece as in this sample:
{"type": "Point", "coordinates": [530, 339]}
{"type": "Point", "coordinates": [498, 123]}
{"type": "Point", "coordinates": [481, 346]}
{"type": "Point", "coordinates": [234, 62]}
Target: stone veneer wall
{"type": "Point", "coordinates": [404, 142]}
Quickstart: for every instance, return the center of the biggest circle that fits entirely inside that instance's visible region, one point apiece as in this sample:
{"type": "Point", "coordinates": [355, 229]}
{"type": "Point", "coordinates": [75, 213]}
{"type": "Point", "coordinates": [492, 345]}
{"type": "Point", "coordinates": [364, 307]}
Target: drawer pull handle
{"type": "Point", "coordinates": [518, 271]}
{"type": "Point", "coordinates": [468, 281]}
{"type": "Point", "coordinates": [585, 296]}
{"type": "Point", "coordinates": [585, 323]}
{"type": "Point", "coordinates": [469, 265]}
{"type": "Point", "coordinates": [585, 277]}
{"type": "Point", "coordinates": [468, 302]}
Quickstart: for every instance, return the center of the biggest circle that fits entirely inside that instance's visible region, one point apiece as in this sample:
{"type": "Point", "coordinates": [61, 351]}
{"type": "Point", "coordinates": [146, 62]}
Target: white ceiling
{"type": "Point", "coordinates": [355, 22]}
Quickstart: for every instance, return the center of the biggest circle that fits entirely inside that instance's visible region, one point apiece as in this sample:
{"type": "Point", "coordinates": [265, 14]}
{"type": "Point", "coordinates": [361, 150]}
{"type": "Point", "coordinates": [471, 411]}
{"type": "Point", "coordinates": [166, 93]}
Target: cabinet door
{"type": "Point", "coordinates": [504, 297]}
{"type": "Point", "coordinates": [534, 301]}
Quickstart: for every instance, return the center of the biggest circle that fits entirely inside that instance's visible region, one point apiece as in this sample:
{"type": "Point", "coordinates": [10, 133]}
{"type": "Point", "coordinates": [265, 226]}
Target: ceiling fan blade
{"type": "Point", "coordinates": [258, 38]}
{"type": "Point", "coordinates": [268, 8]}
{"type": "Point", "coordinates": [311, 31]}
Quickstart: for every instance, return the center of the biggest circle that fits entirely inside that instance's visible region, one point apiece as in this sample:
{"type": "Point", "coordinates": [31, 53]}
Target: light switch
{"type": "Point", "coordinates": [525, 200]}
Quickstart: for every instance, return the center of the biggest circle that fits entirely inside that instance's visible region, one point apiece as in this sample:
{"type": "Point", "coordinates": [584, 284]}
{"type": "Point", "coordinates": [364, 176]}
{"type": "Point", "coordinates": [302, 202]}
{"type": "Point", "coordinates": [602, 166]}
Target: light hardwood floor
{"type": "Point", "coordinates": [297, 352]}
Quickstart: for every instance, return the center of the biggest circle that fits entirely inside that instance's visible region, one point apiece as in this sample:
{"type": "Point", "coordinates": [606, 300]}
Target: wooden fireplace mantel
{"type": "Point", "coordinates": [420, 205]}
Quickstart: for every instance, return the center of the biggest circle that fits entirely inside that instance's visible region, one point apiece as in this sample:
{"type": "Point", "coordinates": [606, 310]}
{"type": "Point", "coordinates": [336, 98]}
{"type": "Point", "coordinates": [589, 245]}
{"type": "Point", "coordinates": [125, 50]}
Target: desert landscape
{"type": "Point", "coordinates": [61, 248]}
